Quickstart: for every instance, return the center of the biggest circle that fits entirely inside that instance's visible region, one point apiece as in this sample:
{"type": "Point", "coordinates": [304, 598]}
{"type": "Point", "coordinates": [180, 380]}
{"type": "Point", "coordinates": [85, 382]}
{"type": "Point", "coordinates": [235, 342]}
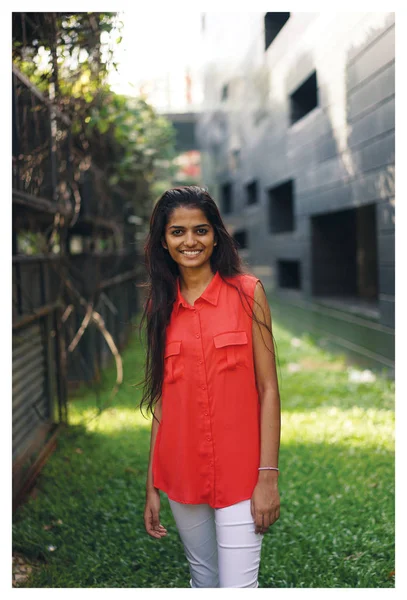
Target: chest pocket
{"type": "Point", "coordinates": [173, 362]}
{"type": "Point", "coordinates": [232, 349]}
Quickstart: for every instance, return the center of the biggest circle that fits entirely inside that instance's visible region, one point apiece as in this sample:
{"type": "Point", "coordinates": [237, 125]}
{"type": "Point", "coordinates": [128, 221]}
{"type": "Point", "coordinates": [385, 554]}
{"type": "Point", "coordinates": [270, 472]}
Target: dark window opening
{"type": "Point", "coordinates": [252, 192]}
{"type": "Point", "coordinates": [225, 92]}
{"type": "Point", "coordinates": [289, 275]}
{"type": "Point", "coordinates": [273, 24]}
{"type": "Point", "coordinates": [281, 207]}
{"type": "Point", "coordinates": [344, 254]}
{"type": "Point", "coordinates": [241, 238]}
{"type": "Point", "coordinates": [304, 99]}
{"type": "Point", "coordinates": [226, 195]}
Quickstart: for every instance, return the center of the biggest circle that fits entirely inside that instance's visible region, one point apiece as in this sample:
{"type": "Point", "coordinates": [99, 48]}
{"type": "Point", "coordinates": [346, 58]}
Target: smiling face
{"type": "Point", "coordinates": [189, 237]}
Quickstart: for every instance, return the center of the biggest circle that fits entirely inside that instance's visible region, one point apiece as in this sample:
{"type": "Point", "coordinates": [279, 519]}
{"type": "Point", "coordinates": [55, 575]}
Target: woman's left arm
{"type": "Point", "coordinates": [265, 501]}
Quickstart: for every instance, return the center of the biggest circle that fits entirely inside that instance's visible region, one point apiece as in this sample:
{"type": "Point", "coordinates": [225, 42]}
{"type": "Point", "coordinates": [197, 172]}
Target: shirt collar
{"type": "Point", "coordinates": [210, 294]}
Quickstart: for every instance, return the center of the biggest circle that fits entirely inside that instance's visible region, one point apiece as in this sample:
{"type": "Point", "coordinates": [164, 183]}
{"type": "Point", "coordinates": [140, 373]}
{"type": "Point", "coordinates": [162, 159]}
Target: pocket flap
{"type": "Point", "coordinates": [231, 338]}
{"type": "Point", "coordinates": [172, 348]}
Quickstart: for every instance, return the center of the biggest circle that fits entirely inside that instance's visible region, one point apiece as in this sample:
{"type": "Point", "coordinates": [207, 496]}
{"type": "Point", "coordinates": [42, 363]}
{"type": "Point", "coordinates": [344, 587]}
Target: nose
{"type": "Point", "coordinates": [190, 240]}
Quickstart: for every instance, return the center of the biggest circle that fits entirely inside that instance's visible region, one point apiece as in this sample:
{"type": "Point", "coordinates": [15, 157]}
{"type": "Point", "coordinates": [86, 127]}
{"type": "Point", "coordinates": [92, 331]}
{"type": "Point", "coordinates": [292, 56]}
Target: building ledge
{"type": "Point", "coordinates": [368, 309]}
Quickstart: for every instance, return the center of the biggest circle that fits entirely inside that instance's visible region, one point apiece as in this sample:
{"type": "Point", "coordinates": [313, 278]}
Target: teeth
{"type": "Point", "coordinates": [191, 253]}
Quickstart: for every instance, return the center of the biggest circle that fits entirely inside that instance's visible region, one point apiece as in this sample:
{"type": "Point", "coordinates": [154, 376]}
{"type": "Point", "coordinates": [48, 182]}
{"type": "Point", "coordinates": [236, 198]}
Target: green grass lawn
{"type": "Point", "coordinates": [85, 526]}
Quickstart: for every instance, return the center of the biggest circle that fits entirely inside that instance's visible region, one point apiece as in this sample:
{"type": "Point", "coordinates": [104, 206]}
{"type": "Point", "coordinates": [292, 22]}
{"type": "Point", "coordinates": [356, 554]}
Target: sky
{"type": "Point", "coordinates": [155, 52]}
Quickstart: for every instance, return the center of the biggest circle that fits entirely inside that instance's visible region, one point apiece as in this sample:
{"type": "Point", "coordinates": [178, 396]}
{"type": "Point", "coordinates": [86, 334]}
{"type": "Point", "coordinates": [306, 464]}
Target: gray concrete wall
{"type": "Point", "coordinates": [339, 156]}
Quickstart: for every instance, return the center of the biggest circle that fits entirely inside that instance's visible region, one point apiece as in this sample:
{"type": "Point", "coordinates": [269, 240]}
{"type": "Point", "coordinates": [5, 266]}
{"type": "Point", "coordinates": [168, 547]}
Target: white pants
{"type": "Point", "coordinates": [220, 544]}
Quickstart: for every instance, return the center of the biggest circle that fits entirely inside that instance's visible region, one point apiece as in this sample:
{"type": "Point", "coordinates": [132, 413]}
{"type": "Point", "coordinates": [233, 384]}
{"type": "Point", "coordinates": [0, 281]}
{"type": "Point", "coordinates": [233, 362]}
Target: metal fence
{"type": "Point", "coordinates": [41, 144]}
{"type": "Point", "coordinates": [43, 367]}
{"type": "Point", "coordinates": [39, 393]}
{"type": "Point", "coordinates": [51, 292]}
{"type": "Point", "coordinates": [117, 302]}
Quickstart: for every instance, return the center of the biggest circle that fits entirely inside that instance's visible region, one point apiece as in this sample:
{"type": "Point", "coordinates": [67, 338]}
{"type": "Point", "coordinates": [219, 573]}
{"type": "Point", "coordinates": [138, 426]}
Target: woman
{"type": "Point", "coordinates": [211, 384]}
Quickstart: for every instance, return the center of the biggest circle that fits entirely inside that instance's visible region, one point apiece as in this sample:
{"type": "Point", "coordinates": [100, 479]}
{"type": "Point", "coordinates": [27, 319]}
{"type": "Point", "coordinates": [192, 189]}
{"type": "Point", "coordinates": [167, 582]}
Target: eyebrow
{"type": "Point", "coordinates": [182, 227]}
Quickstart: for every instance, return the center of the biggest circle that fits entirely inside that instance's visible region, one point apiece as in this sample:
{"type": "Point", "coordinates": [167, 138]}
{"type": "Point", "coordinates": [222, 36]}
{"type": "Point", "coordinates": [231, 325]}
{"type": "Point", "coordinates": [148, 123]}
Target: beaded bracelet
{"type": "Point", "coordinates": [268, 468]}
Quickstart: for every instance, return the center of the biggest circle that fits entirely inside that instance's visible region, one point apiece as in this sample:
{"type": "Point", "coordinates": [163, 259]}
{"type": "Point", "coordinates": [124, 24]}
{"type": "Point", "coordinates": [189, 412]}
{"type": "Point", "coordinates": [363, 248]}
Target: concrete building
{"type": "Point", "coordinates": [297, 142]}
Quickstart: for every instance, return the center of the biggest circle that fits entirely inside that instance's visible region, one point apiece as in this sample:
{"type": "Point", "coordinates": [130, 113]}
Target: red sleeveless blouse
{"type": "Point", "coordinates": [207, 448]}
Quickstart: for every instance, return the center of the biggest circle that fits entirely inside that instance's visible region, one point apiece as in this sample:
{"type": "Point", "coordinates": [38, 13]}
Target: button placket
{"type": "Point", "coordinates": [208, 443]}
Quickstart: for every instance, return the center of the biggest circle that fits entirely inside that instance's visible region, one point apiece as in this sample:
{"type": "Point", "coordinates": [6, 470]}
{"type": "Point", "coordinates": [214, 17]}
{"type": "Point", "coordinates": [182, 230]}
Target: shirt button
{"type": "Point", "coordinates": [208, 438]}
{"type": "Point", "coordinates": [204, 387]}
{"type": "Point", "coordinates": [206, 414]}
{"type": "Point", "coordinates": [199, 362]}
{"type": "Point", "coordinates": [197, 335]}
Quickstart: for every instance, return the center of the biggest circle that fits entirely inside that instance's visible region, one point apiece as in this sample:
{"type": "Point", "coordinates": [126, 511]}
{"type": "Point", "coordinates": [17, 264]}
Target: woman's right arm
{"type": "Point", "coordinates": [152, 506]}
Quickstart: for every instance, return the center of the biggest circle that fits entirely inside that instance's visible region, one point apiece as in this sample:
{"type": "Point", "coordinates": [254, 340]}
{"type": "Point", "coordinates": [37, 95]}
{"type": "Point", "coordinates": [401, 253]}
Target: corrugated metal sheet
{"type": "Point", "coordinates": [30, 396]}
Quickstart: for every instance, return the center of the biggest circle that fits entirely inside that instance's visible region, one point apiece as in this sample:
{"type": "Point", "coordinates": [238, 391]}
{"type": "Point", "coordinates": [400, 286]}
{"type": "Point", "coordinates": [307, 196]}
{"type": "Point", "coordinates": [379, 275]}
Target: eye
{"type": "Point", "coordinates": [201, 231]}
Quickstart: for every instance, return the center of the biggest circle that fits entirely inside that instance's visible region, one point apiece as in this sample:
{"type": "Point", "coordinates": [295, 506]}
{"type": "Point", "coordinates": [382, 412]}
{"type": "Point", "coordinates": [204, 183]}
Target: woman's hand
{"type": "Point", "coordinates": [152, 515]}
{"type": "Point", "coordinates": [265, 504]}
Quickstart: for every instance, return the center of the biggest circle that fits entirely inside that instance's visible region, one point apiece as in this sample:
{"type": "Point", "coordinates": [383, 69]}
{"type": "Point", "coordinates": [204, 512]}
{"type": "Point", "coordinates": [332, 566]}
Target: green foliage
{"type": "Point", "coordinates": [125, 138]}
{"type": "Point", "coordinates": [31, 242]}
{"type": "Point", "coordinates": [130, 137]}
{"type": "Point", "coordinates": [336, 527]}
{"type": "Point", "coordinates": [69, 42]}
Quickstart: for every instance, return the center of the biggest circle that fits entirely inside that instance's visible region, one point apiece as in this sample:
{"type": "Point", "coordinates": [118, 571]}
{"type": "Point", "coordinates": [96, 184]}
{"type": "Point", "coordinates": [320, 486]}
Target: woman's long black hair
{"type": "Point", "coordinates": [162, 272]}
